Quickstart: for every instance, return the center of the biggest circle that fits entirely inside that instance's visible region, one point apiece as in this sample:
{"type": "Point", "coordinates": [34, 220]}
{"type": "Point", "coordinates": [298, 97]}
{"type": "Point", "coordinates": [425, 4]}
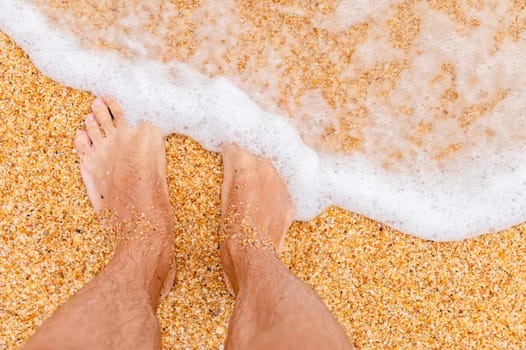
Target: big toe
{"type": "Point", "coordinates": [115, 111]}
{"type": "Point", "coordinates": [235, 157]}
{"type": "Point", "coordinates": [102, 113]}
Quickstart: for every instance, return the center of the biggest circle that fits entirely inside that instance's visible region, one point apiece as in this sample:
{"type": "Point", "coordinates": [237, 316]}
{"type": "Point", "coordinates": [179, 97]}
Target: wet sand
{"type": "Point", "coordinates": [387, 289]}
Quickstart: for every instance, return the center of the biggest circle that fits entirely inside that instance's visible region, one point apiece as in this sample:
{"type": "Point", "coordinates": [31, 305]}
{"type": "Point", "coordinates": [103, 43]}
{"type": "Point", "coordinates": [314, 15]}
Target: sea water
{"type": "Point", "coordinates": [412, 113]}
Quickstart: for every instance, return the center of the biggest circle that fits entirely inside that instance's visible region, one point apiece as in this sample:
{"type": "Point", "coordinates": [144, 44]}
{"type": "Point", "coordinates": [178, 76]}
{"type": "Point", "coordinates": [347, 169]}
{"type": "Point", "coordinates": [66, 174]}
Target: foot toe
{"type": "Point", "coordinates": [82, 143]}
{"type": "Point", "coordinates": [103, 116]}
{"type": "Point", "coordinates": [93, 129]}
{"type": "Point", "coordinates": [115, 111]}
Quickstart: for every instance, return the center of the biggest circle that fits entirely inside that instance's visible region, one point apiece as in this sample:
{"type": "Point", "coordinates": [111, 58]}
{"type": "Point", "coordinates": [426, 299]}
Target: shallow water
{"type": "Point", "coordinates": [409, 112]}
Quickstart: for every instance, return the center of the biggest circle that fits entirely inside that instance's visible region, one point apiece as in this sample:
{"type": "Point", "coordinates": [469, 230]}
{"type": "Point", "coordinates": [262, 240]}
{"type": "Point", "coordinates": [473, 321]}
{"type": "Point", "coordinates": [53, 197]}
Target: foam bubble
{"type": "Point", "coordinates": [351, 12]}
{"type": "Point", "coordinates": [482, 191]}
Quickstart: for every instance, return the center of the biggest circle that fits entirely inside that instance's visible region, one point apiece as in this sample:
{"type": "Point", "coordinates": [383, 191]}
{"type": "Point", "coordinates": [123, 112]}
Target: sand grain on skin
{"type": "Point", "coordinates": [387, 289]}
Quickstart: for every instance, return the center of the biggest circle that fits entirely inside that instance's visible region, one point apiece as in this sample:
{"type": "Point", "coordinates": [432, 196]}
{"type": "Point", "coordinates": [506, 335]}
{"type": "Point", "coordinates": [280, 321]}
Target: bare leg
{"type": "Point", "coordinates": [274, 310]}
{"type": "Point", "coordinates": [123, 169]}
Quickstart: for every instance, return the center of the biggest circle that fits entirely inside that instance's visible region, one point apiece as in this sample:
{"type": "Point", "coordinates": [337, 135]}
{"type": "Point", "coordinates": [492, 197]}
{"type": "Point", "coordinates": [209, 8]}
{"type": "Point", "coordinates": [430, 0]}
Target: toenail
{"type": "Point", "coordinates": [98, 102]}
{"type": "Point", "coordinates": [90, 118]}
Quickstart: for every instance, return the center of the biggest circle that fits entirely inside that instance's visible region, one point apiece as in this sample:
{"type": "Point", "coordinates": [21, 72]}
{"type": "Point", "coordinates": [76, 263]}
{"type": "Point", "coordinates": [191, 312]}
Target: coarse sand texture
{"type": "Point", "coordinates": [387, 289]}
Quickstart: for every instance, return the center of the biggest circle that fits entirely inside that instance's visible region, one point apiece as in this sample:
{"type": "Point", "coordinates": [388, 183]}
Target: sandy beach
{"type": "Point", "coordinates": [386, 288]}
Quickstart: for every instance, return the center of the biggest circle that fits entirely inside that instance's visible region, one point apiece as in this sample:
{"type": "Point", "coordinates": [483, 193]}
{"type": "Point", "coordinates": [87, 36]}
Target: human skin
{"type": "Point", "coordinates": [274, 309]}
{"type": "Point", "coordinates": [124, 170]}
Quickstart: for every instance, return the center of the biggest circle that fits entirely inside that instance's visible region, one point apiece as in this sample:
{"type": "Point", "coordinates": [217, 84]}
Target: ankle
{"type": "Point", "coordinates": [146, 257]}
{"type": "Point", "coordinates": [244, 262]}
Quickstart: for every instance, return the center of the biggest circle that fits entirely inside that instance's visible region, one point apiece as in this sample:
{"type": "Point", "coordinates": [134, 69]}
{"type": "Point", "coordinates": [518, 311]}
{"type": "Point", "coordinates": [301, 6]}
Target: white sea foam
{"type": "Point", "coordinates": [486, 193]}
{"type": "Point", "coordinates": [352, 12]}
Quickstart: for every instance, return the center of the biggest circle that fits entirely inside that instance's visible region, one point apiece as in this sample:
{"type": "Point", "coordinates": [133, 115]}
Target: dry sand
{"type": "Point", "coordinates": [387, 289]}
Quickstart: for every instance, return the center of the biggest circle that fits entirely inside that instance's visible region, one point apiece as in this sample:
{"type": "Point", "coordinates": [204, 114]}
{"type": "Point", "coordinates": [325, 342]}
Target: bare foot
{"type": "Point", "coordinates": [124, 170]}
{"type": "Point", "coordinates": [256, 211]}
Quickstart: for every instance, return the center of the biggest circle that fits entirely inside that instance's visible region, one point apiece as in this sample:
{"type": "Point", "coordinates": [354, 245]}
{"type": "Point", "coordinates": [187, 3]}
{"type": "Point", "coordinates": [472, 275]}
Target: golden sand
{"type": "Point", "coordinates": [283, 54]}
{"type": "Point", "coordinates": [387, 289]}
